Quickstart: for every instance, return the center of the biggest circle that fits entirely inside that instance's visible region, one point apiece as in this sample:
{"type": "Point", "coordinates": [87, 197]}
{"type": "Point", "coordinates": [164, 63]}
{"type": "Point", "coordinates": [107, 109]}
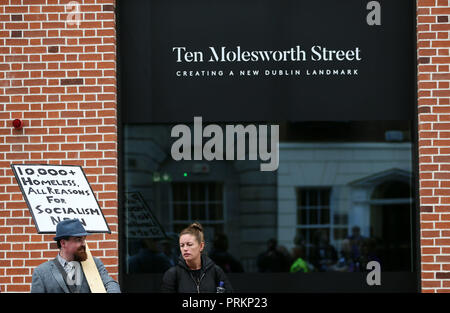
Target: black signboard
{"type": "Point", "coordinates": [289, 60]}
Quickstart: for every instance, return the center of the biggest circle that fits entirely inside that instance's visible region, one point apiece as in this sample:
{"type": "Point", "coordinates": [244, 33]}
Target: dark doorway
{"type": "Point", "coordinates": [391, 223]}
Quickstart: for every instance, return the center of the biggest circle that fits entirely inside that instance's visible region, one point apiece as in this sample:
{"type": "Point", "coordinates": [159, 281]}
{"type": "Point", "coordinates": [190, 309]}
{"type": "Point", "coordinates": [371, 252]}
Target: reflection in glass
{"type": "Point", "coordinates": [341, 197]}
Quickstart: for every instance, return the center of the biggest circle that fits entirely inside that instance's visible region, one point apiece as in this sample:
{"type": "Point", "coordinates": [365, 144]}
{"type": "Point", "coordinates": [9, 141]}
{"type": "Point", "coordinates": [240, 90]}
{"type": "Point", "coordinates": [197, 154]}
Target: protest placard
{"type": "Point", "coordinates": [57, 192]}
{"type": "Point", "coordinates": [140, 220]}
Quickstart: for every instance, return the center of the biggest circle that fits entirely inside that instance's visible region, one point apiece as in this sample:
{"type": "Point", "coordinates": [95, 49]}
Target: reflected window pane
{"type": "Point", "coordinates": [179, 227]}
{"type": "Point", "coordinates": [340, 218]}
{"type": "Point", "coordinates": [324, 216]}
{"type": "Point", "coordinates": [302, 216]}
{"type": "Point", "coordinates": [215, 211]}
{"type": "Point", "coordinates": [215, 191]}
{"type": "Point", "coordinates": [180, 211]}
{"type": "Point", "coordinates": [340, 233]}
{"type": "Point", "coordinates": [328, 201]}
{"type": "Point", "coordinates": [198, 201]}
{"type": "Point", "coordinates": [313, 216]}
{"type": "Point", "coordinates": [197, 192]}
{"type": "Point", "coordinates": [198, 211]}
{"type": "Point", "coordinates": [312, 197]}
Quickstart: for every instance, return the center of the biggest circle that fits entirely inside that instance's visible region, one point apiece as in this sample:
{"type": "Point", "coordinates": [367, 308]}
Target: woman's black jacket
{"type": "Point", "coordinates": [179, 278]}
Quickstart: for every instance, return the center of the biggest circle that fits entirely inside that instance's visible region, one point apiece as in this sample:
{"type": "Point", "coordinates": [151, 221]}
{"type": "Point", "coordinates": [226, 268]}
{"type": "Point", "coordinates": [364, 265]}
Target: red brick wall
{"type": "Point", "coordinates": [60, 79]}
{"type": "Point", "coordinates": [434, 142]}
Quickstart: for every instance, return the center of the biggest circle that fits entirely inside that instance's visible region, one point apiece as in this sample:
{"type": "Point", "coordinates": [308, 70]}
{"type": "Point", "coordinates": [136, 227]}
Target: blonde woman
{"type": "Point", "coordinates": [195, 272]}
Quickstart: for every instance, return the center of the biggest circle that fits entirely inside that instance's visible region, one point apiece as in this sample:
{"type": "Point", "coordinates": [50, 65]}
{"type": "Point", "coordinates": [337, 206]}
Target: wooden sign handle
{"type": "Point", "coordinates": [91, 272]}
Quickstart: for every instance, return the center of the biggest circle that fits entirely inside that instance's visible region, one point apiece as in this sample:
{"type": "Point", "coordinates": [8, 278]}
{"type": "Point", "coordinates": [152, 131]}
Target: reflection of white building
{"type": "Point", "coordinates": [363, 179]}
{"type": "Point", "coordinates": [251, 206]}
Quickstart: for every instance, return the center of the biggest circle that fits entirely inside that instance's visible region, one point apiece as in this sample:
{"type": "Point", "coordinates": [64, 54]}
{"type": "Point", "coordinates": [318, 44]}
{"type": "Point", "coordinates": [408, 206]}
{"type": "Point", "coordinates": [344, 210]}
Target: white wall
{"type": "Point", "coordinates": [335, 165]}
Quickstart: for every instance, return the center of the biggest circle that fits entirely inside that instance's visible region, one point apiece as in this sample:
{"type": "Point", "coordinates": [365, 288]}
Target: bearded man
{"type": "Point", "coordinates": [64, 273]}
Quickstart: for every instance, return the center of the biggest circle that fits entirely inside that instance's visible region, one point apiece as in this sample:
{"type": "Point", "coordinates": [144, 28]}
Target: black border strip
{"type": "Point", "coordinates": [415, 157]}
{"type": "Point", "coordinates": [120, 166]}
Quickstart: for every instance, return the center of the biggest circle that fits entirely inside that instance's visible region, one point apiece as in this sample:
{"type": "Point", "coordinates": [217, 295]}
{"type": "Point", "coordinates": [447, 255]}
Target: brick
{"type": "Point", "coordinates": [428, 283]}
{"type": "Point", "coordinates": [18, 288]}
{"type": "Point", "coordinates": [443, 258]}
{"type": "Point", "coordinates": [108, 7]}
{"type": "Point", "coordinates": [36, 246]}
{"type": "Point", "coordinates": [442, 225]}
{"type": "Point", "coordinates": [12, 91]}
{"type": "Point", "coordinates": [426, 3]}
{"type": "Point", "coordinates": [17, 271]}
{"type": "Point", "coordinates": [72, 147]}
{"type": "Point", "coordinates": [15, 255]}
{"type": "Point", "coordinates": [72, 81]}
{"type": "Point", "coordinates": [443, 275]}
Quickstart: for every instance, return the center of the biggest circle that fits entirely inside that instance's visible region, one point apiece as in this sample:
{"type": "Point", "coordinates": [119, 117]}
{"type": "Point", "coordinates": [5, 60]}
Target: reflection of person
{"type": "Point", "coordinates": [325, 254]}
{"type": "Point", "coordinates": [300, 264]}
{"type": "Point", "coordinates": [222, 257]}
{"type": "Point", "coordinates": [60, 275]}
{"type": "Point", "coordinates": [345, 262]}
{"type": "Point", "coordinates": [368, 252]}
{"type": "Point", "coordinates": [195, 272]}
{"type": "Point", "coordinates": [356, 241]}
{"type": "Point", "coordinates": [148, 259]}
{"type": "Point", "coordinates": [273, 260]}
{"type": "Point", "coordinates": [169, 247]}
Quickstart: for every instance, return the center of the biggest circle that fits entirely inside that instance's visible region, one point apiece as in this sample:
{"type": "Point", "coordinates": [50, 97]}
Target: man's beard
{"type": "Point", "coordinates": [80, 255]}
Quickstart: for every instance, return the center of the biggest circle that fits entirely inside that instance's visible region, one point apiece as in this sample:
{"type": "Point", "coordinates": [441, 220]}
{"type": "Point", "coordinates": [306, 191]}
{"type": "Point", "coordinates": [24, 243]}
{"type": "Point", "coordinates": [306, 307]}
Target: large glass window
{"type": "Point", "coordinates": [199, 201]}
{"type": "Point", "coordinates": [335, 191]}
{"type": "Point", "coordinates": [342, 196]}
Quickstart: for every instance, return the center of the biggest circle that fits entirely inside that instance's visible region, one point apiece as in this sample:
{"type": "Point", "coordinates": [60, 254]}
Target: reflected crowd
{"type": "Point", "coordinates": [157, 256]}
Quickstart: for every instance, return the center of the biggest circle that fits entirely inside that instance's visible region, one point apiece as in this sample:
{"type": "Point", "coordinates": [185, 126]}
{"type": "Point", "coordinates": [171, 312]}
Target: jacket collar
{"type": "Point", "coordinates": [58, 277]}
{"type": "Point", "coordinates": [206, 263]}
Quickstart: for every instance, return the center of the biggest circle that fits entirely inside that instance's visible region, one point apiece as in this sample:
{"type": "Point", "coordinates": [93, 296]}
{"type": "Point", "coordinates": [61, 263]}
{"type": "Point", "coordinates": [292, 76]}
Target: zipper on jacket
{"type": "Point", "coordinates": [197, 283]}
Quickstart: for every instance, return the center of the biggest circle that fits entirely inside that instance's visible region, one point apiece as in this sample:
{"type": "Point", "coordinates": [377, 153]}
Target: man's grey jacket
{"type": "Point", "coordinates": [48, 279]}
